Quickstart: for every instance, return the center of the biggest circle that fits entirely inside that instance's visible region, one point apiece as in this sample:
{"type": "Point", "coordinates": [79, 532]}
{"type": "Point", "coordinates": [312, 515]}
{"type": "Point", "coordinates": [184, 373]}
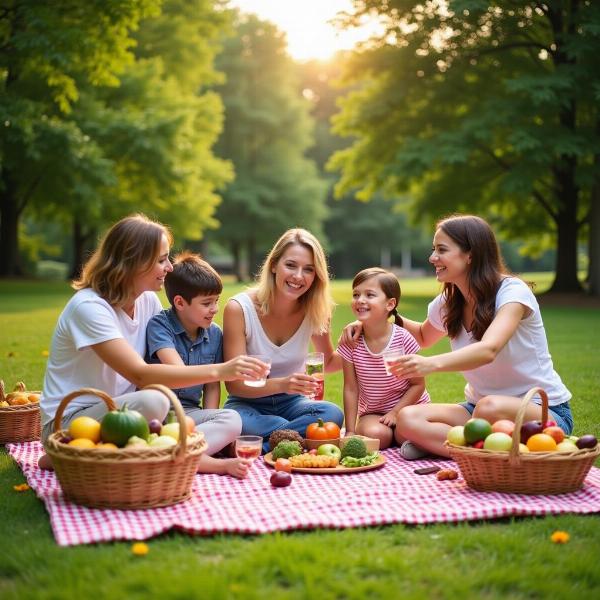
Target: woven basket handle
{"type": "Point", "coordinates": [82, 392]}
{"type": "Point", "coordinates": [181, 444]}
{"type": "Point", "coordinates": [2, 391]}
{"type": "Point", "coordinates": [514, 449]}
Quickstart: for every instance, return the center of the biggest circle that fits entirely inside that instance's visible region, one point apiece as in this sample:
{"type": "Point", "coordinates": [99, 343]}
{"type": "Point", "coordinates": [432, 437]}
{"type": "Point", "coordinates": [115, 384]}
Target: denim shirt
{"type": "Point", "coordinates": [166, 331]}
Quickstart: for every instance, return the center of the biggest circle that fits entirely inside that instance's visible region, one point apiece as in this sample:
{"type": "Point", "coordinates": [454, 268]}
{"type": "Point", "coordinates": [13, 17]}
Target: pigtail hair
{"type": "Point", "coordinates": [397, 318]}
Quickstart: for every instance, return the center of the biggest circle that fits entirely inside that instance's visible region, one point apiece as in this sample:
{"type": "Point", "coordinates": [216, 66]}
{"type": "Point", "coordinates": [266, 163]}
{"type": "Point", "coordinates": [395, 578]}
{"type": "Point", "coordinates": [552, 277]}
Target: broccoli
{"type": "Point", "coordinates": [354, 447]}
{"type": "Point", "coordinates": [286, 448]}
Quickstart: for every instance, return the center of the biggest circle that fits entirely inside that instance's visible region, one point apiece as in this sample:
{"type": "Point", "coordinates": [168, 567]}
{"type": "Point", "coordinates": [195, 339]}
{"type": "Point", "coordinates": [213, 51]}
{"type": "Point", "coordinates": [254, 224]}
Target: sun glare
{"type": "Point", "coordinates": [310, 33]}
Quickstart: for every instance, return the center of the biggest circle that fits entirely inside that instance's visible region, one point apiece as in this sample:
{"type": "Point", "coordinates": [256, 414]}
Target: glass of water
{"type": "Point", "coordinates": [259, 382]}
{"type": "Point", "coordinates": [390, 357]}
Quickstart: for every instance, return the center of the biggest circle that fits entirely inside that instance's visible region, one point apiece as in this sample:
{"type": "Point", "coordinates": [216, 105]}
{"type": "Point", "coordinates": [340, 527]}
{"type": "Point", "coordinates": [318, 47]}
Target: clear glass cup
{"type": "Point", "coordinates": [248, 446]}
{"type": "Point", "coordinates": [259, 382]}
{"type": "Point", "coordinates": [390, 357]}
{"type": "Point", "coordinates": [314, 365]}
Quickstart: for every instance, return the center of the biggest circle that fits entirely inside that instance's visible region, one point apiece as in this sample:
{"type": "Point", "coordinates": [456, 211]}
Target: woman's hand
{"type": "Point", "coordinates": [389, 419]}
{"type": "Point", "coordinates": [412, 365]}
{"type": "Point", "coordinates": [351, 333]}
{"type": "Point", "coordinates": [237, 467]}
{"type": "Point", "coordinates": [300, 383]}
{"type": "Point", "coordinates": [243, 367]}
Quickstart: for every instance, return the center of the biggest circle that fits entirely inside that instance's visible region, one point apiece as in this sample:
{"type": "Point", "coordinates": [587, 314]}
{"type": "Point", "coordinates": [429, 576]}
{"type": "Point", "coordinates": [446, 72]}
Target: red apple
{"type": "Point", "coordinates": [530, 428]}
{"type": "Point", "coordinates": [503, 426]}
{"type": "Point", "coordinates": [478, 444]}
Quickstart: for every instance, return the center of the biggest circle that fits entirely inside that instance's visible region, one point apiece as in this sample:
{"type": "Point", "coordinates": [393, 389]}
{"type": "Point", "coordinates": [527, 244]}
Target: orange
{"type": "Point", "coordinates": [541, 442]}
{"type": "Point", "coordinates": [82, 443]}
{"type": "Point", "coordinates": [190, 424]}
{"type": "Point", "coordinates": [107, 446]}
{"type": "Point", "coordinates": [85, 427]}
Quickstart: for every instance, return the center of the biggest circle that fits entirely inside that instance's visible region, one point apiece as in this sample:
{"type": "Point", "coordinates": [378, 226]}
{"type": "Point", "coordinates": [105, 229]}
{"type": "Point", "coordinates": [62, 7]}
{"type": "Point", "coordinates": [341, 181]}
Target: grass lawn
{"type": "Point", "coordinates": [508, 558]}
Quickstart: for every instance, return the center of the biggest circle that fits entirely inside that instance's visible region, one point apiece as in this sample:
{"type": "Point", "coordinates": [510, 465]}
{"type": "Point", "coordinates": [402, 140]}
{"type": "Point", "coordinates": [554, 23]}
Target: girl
{"type": "Point", "coordinates": [496, 333]}
{"type": "Point", "coordinates": [100, 337]}
{"type": "Point", "coordinates": [290, 307]}
{"type": "Point", "coordinates": [368, 390]}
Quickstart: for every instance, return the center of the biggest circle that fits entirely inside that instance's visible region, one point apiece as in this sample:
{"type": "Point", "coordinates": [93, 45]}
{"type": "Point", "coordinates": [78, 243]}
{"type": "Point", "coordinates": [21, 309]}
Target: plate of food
{"type": "Point", "coordinates": [309, 463]}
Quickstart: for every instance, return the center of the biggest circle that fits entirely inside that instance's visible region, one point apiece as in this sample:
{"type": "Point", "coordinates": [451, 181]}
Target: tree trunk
{"type": "Point", "coordinates": [566, 280]}
{"type": "Point", "coordinates": [594, 242]}
{"type": "Point", "coordinates": [237, 263]}
{"type": "Point", "coordinates": [9, 230]}
{"type": "Point", "coordinates": [253, 262]}
{"type": "Point", "coordinates": [81, 247]}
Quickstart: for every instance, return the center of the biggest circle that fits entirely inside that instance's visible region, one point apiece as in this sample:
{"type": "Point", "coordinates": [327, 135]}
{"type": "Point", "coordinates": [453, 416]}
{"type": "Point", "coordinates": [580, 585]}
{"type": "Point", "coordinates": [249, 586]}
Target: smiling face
{"type": "Point", "coordinates": [294, 271]}
{"type": "Point", "coordinates": [369, 302]}
{"type": "Point", "coordinates": [450, 261]}
{"type": "Point", "coordinates": [152, 280]}
{"type": "Point", "coordinates": [200, 312]}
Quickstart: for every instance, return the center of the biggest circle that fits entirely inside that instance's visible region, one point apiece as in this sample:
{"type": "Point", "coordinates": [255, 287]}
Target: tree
{"type": "Point", "coordinates": [267, 132]}
{"type": "Point", "coordinates": [43, 62]}
{"type": "Point", "coordinates": [480, 106]}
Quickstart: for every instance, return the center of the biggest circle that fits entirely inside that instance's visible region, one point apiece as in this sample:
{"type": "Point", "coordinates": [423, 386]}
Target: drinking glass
{"type": "Point", "coordinates": [248, 446]}
{"type": "Point", "coordinates": [391, 356]}
{"type": "Point", "coordinates": [314, 365]}
{"type": "Point", "coordinates": [263, 381]}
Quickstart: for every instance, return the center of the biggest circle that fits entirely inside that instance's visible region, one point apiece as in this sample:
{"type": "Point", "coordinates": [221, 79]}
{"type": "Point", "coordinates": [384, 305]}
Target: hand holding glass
{"type": "Point", "coordinates": [390, 357]}
{"type": "Point", "coordinates": [248, 446]}
{"type": "Point", "coordinates": [314, 365]}
{"type": "Point", "coordinates": [259, 382]}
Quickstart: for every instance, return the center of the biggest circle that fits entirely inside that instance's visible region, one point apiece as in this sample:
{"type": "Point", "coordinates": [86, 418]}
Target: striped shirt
{"type": "Point", "coordinates": [379, 392]}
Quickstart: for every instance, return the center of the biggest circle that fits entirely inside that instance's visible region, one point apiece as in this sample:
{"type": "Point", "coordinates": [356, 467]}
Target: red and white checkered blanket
{"type": "Point", "coordinates": [391, 494]}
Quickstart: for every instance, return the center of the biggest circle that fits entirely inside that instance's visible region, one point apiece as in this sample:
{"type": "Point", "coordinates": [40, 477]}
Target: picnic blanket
{"type": "Point", "coordinates": [391, 494]}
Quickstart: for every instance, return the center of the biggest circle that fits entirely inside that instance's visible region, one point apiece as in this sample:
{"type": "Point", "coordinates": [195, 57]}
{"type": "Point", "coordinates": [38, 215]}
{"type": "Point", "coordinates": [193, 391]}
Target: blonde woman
{"type": "Point", "coordinates": [100, 337]}
{"type": "Point", "coordinates": [289, 308]}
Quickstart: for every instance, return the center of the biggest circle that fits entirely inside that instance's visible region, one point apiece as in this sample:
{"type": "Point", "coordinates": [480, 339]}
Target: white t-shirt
{"type": "Point", "coordinates": [524, 362]}
{"type": "Point", "coordinates": [285, 359]}
{"type": "Point", "coordinates": [86, 320]}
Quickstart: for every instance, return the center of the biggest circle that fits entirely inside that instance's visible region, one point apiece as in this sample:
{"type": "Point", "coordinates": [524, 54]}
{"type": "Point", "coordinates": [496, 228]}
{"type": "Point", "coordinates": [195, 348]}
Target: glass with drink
{"type": "Point", "coordinates": [391, 356]}
{"type": "Point", "coordinates": [314, 365]}
{"type": "Point", "coordinates": [263, 381]}
{"type": "Point", "coordinates": [248, 446]}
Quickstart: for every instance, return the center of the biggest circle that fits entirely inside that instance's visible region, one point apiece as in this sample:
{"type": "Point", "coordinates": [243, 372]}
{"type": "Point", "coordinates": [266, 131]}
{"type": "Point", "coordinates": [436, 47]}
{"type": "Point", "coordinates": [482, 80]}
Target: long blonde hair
{"type": "Point", "coordinates": [130, 247]}
{"type": "Point", "coordinates": [317, 299]}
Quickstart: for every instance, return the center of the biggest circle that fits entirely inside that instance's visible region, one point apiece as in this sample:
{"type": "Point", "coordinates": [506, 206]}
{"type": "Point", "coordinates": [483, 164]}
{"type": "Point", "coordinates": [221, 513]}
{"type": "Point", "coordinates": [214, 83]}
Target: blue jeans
{"type": "Point", "coordinates": [262, 416]}
{"type": "Point", "coordinates": [560, 413]}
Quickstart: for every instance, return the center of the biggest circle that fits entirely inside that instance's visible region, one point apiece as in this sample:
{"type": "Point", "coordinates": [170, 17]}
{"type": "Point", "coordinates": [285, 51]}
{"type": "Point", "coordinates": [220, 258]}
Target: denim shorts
{"type": "Point", "coordinates": [560, 413]}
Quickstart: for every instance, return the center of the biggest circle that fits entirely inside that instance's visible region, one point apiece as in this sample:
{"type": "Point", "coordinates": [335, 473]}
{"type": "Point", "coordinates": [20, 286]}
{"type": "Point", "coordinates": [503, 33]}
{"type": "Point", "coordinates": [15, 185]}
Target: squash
{"type": "Point", "coordinates": [323, 431]}
{"type": "Point", "coordinates": [119, 425]}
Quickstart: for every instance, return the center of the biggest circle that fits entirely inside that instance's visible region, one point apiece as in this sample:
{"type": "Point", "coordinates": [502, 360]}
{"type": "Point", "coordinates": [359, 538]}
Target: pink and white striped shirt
{"type": "Point", "coordinates": [379, 392]}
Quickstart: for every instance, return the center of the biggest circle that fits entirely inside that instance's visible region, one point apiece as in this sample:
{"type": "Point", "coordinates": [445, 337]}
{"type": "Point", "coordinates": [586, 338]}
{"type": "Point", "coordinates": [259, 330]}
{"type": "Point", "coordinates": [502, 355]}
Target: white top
{"type": "Point", "coordinates": [285, 359]}
{"type": "Point", "coordinates": [379, 392]}
{"type": "Point", "coordinates": [524, 362]}
{"type": "Point", "coordinates": [88, 319]}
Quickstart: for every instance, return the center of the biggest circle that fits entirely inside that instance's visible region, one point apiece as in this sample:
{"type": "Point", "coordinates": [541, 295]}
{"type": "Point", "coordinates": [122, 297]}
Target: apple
{"type": "Point", "coordinates": [586, 441]}
{"type": "Point", "coordinates": [478, 444]}
{"type": "Point", "coordinates": [162, 441]}
{"type": "Point", "coordinates": [329, 450]}
{"type": "Point", "coordinates": [170, 429]}
{"type": "Point", "coordinates": [497, 441]}
{"type": "Point", "coordinates": [281, 479]}
{"type": "Point", "coordinates": [566, 446]}
{"type": "Point", "coordinates": [523, 448]}
{"type": "Point", "coordinates": [555, 432]}
{"type": "Point", "coordinates": [313, 451]}
{"type": "Point", "coordinates": [135, 441]}
{"type": "Point", "coordinates": [456, 435]}
{"type": "Point", "coordinates": [549, 423]}
{"type": "Point", "coordinates": [573, 438]}
{"type": "Point", "coordinates": [504, 425]}
{"type": "Point", "coordinates": [530, 428]}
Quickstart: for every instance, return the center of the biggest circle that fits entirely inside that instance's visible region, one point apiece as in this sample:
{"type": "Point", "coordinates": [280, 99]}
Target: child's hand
{"type": "Point", "coordinates": [243, 367]}
{"type": "Point", "coordinates": [237, 467]}
{"type": "Point", "coordinates": [351, 333]}
{"type": "Point", "coordinates": [389, 419]}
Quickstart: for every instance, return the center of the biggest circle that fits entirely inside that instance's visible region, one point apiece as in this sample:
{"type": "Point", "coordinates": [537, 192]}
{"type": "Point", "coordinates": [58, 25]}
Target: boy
{"type": "Point", "coordinates": [185, 334]}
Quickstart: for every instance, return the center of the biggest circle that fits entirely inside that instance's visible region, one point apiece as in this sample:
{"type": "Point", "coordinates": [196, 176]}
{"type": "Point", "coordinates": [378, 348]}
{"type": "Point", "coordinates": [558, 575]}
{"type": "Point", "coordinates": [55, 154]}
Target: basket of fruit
{"type": "Point", "coordinates": [19, 414]}
{"type": "Point", "coordinates": [535, 457]}
{"type": "Point", "coordinates": [118, 462]}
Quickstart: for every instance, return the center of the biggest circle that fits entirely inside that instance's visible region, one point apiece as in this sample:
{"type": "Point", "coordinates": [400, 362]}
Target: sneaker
{"type": "Point", "coordinates": [410, 451]}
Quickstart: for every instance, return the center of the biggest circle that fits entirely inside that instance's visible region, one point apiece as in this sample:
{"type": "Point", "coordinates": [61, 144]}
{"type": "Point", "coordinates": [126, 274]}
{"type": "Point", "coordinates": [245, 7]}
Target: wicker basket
{"type": "Point", "coordinates": [19, 423]}
{"type": "Point", "coordinates": [127, 477]}
{"type": "Point", "coordinates": [528, 472]}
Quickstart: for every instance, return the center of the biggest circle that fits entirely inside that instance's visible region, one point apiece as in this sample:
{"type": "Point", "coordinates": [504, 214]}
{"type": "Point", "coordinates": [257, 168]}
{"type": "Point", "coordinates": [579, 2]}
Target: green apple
{"type": "Point", "coordinates": [135, 441]}
{"type": "Point", "coordinates": [498, 441]}
{"type": "Point", "coordinates": [566, 446]}
{"type": "Point", "coordinates": [456, 435]}
{"type": "Point", "coordinates": [329, 450]}
{"type": "Point", "coordinates": [573, 438]}
{"type": "Point", "coordinates": [170, 429]}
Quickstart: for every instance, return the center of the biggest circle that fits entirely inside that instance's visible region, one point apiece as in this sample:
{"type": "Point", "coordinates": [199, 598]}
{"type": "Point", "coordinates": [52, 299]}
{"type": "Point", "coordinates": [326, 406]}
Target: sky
{"type": "Point", "coordinates": [306, 24]}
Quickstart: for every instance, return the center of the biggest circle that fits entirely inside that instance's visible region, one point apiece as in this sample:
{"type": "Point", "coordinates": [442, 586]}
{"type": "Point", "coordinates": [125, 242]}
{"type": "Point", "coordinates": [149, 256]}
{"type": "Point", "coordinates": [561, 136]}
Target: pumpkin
{"type": "Point", "coordinates": [323, 431]}
{"type": "Point", "coordinates": [119, 425]}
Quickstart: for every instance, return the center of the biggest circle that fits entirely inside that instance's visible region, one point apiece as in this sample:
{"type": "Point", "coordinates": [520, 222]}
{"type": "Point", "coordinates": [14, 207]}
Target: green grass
{"type": "Point", "coordinates": [511, 558]}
